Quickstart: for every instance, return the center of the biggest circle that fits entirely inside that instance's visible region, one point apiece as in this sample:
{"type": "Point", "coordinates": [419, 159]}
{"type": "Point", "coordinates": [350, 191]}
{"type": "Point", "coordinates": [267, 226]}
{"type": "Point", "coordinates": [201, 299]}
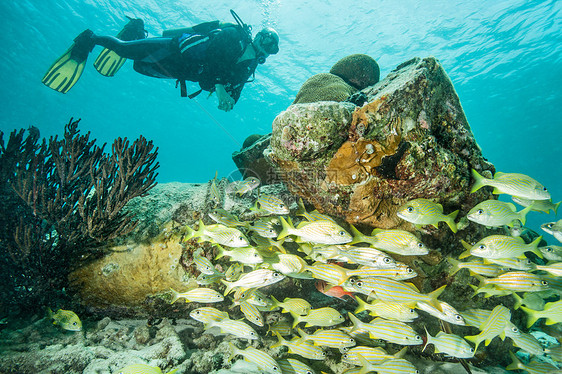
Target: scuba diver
{"type": "Point", "coordinates": [220, 56]}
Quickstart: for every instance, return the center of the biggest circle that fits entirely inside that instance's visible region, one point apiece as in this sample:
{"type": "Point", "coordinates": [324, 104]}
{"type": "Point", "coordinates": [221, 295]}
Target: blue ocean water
{"type": "Point", "coordinates": [504, 58]}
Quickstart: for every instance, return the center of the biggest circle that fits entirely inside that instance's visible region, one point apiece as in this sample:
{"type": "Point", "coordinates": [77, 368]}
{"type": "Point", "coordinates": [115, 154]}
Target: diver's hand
{"type": "Point", "coordinates": [226, 102]}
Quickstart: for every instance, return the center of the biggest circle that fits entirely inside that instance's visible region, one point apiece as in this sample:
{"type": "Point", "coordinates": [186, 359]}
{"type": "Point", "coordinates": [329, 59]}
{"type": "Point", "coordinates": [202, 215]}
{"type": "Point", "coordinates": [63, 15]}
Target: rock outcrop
{"type": "Point", "coordinates": [410, 140]}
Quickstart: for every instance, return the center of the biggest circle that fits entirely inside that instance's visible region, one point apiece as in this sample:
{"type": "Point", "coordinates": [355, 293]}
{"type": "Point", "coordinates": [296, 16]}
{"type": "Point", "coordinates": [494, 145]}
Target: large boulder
{"type": "Point", "coordinates": [410, 140]}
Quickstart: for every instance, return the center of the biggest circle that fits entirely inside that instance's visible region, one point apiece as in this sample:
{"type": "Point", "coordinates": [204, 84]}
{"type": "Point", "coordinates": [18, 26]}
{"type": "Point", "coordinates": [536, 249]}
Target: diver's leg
{"type": "Point", "coordinates": [135, 49]}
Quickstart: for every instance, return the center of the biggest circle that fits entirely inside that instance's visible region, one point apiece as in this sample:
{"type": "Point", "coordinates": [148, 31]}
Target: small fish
{"type": "Point", "coordinates": [374, 355]}
{"type": "Point", "coordinates": [552, 252]}
{"type": "Point", "coordinates": [396, 241]}
{"type": "Point", "coordinates": [301, 348]}
{"type": "Point", "coordinates": [251, 313]}
{"type": "Point", "coordinates": [220, 234]}
{"type": "Point", "coordinates": [282, 327]}
{"type": "Point", "coordinates": [271, 205]}
{"type": "Point", "coordinates": [425, 212]}
{"type": "Point", "coordinates": [392, 331]}
{"type": "Point", "coordinates": [208, 279]}
{"type": "Point", "coordinates": [447, 313]}
{"type": "Point", "coordinates": [323, 317]}
{"type": "Point", "coordinates": [329, 338]}
{"type": "Point", "coordinates": [531, 300]}
{"type": "Point", "coordinates": [226, 218]}
{"type": "Point", "coordinates": [331, 273]}
{"type": "Point", "coordinates": [512, 263]}
{"type": "Point", "coordinates": [234, 272]}
{"type": "Point", "coordinates": [255, 279]}
{"type": "Point", "coordinates": [534, 366]}
{"type": "Point", "coordinates": [552, 268]}
{"type": "Point", "coordinates": [517, 281]}
{"type": "Point", "coordinates": [203, 264]}
{"type": "Point", "coordinates": [260, 358]}
{"type": "Point", "coordinates": [214, 193]}
{"type": "Point", "coordinates": [475, 317]}
{"type": "Point", "coordinates": [554, 229]}
{"type": "Point", "coordinates": [490, 290]}
{"type": "Point", "coordinates": [332, 291]}
{"type": "Point", "coordinates": [311, 216]}
{"type": "Point", "coordinates": [386, 309]}
{"type": "Point", "coordinates": [400, 272]}
{"type": "Point", "coordinates": [552, 312]}
{"type": "Point", "coordinates": [513, 184]}
{"type": "Point", "coordinates": [527, 342]}
{"type": "Point", "coordinates": [321, 232]}
{"type": "Point", "coordinates": [66, 319]}
{"type": "Point", "coordinates": [495, 213]}
{"type": "Point", "coordinates": [295, 305]}
{"type": "Point", "coordinates": [493, 326]}
{"type": "Point", "coordinates": [143, 369]}
{"type": "Point", "coordinates": [450, 344]}
{"type": "Point", "coordinates": [198, 295]}
{"type": "Point", "coordinates": [288, 264]}
{"type": "Point", "coordinates": [247, 185]}
{"type": "Point", "coordinates": [244, 255]}
{"type": "Point", "coordinates": [502, 246]}
{"type": "Point", "coordinates": [207, 314]}
{"type": "Point", "coordinates": [538, 205]}
{"type": "Point", "coordinates": [390, 366]}
{"type": "Point", "coordinates": [264, 228]}
{"type": "Point", "coordinates": [369, 257]}
{"type": "Point", "coordinates": [480, 268]}
{"type": "Point", "coordinates": [237, 328]}
{"type": "Point", "coordinates": [292, 366]}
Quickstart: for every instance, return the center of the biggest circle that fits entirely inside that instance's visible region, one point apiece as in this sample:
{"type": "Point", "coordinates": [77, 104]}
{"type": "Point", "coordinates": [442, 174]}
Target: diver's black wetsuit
{"type": "Point", "coordinates": [207, 59]}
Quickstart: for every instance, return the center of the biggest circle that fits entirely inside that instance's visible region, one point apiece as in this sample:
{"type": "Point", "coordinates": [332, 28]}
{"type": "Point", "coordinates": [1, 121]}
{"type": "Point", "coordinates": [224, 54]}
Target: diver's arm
{"type": "Point", "coordinates": [226, 102]}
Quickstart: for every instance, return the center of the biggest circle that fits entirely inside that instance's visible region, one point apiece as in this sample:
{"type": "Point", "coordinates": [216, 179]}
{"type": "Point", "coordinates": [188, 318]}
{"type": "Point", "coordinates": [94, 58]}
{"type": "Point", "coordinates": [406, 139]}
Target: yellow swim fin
{"type": "Point", "coordinates": [67, 69]}
{"type": "Point", "coordinates": [108, 61]}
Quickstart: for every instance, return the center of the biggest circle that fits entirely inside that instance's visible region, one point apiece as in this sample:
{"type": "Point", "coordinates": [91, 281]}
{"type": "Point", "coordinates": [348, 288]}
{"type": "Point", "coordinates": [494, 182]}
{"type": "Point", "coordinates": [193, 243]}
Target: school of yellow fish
{"type": "Point", "coordinates": [376, 280]}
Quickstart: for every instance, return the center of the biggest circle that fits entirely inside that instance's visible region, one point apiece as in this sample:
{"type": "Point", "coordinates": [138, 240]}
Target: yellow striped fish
{"type": "Point", "coordinates": [323, 317]}
{"type": "Point", "coordinates": [475, 317]}
{"type": "Point", "coordinates": [271, 205]}
{"type": "Point", "coordinates": [288, 264]}
{"type": "Point", "coordinates": [234, 272]}
{"type": "Point", "coordinates": [552, 252]}
{"type": "Point", "coordinates": [552, 312]}
{"type": "Point", "coordinates": [552, 268]}
{"type": "Point", "coordinates": [214, 193]}
{"type": "Point", "coordinates": [295, 305]}
{"type": "Point", "coordinates": [207, 279]}
{"type": "Point", "coordinates": [264, 228]}
{"type": "Point", "coordinates": [220, 234]}
{"type": "Point", "coordinates": [513, 184]}
{"type": "Point", "coordinates": [390, 366]}
{"type": "Point", "coordinates": [331, 273]}
{"type": "Point", "coordinates": [554, 229]}
{"type": "Point", "coordinates": [247, 185]}
{"type": "Point", "coordinates": [311, 216]}
{"type": "Point", "coordinates": [447, 313]}
{"type": "Point", "coordinates": [244, 255]}
{"type": "Point", "coordinates": [422, 212]}
{"type": "Point", "coordinates": [329, 338]}
{"type": "Point", "coordinates": [251, 313]}
{"type": "Point", "coordinates": [396, 241]}
{"type": "Point", "coordinates": [255, 279]}
{"type": "Point", "coordinates": [450, 344]}
{"type": "Point", "coordinates": [374, 355]}
{"type": "Point", "coordinates": [527, 342]}
{"type": "Point", "coordinates": [301, 348]}
{"type": "Point", "coordinates": [226, 218]}
{"type": "Point", "coordinates": [387, 289]}
{"type": "Point", "coordinates": [368, 256]}
{"type": "Point", "coordinates": [207, 314]}
{"type": "Point", "coordinates": [387, 309]}
{"type": "Point", "coordinates": [260, 358]}
{"type": "Point", "coordinates": [197, 295]}
{"type": "Point", "coordinates": [490, 290]}
{"type": "Point", "coordinates": [496, 213]}
{"type": "Point", "coordinates": [392, 331]}
{"type": "Point", "coordinates": [66, 319]}
{"type": "Point", "coordinates": [282, 327]}
{"type": "Point", "coordinates": [474, 267]}
{"type": "Point", "coordinates": [320, 232]}
{"type": "Point", "coordinates": [493, 326]}
{"type": "Point", "coordinates": [517, 281]}
{"type": "Point", "coordinates": [237, 328]}
{"type": "Point", "coordinates": [534, 366]}
{"type": "Point", "coordinates": [512, 263]}
{"type": "Point", "coordinates": [292, 366]}
{"type": "Point", "coordinates": [538, 205]}
{"type": "Point", "coordinates": [203, 264]}
{"type": "Point", "coordinates": [502, 246]}
{"type": "Point", "coordinates": [401, 271]}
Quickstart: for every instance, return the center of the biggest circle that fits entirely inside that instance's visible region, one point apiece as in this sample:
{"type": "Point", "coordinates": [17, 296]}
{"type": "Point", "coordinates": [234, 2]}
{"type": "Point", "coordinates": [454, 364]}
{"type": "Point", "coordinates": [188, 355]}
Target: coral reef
{"type": "Point", "coordinates": [324, 87]}
{"type": "Point", "coordinates": [411, 140]}
{"type": "Point", "coordinates": [62, 202]}
{"type": "Point", "coordinates": [358, 70]}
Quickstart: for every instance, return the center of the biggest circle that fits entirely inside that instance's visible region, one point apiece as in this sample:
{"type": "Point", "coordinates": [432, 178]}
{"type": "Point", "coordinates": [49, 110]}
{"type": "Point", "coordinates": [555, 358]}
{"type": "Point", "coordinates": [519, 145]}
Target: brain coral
{"type": "Point", "coordinates": [358, 70]}
{"type": "Point", "coordinates": [324, 87]}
